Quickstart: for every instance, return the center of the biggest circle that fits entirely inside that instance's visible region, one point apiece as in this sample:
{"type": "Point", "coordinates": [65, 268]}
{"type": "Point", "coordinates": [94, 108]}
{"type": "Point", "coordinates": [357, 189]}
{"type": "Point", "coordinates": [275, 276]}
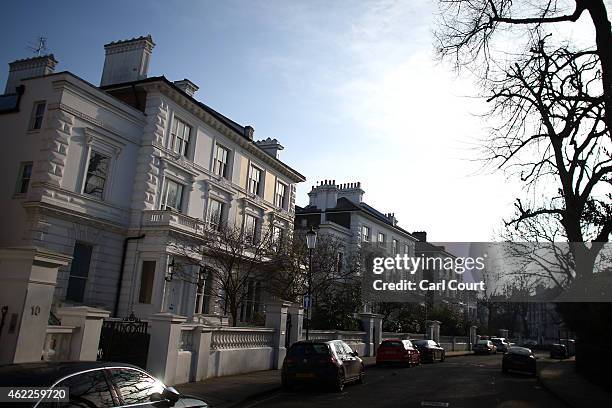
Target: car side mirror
{"type": "Point", "coordinates": [355, 353]}
{"type": "Point", "coordinates": [169, 397]}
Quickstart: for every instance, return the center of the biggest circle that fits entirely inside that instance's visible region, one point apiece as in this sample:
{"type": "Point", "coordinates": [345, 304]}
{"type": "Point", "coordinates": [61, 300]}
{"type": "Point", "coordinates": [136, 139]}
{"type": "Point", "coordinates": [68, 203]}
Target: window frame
{"type": "Point", "coordinates": [37, 118]}
{"type": "Point", "coordinates": [106, 186]}
{"type": "Point", "coordinates": [218, 163]}
{"type": "Point", "coordinates": [86, 277]}
{"type": "Point", "coordinates": [283, 197]}
{"type": "Point", "coordinates": [366, 237]}
{"type": "Point", "coordinates": [215, 225]}
{"type": "Point", "coordinates": [21, 178]}
{"type": "Point", "coordinates": [379, 240]}
{"type": "Point", "coordinates": [183, 149]}
{"type": "Point", "coordinates": [252, 181]}
{"type": "Point", "coordinates": [251, 237]}
{"type": "Point", "coordinates": [164, 198]}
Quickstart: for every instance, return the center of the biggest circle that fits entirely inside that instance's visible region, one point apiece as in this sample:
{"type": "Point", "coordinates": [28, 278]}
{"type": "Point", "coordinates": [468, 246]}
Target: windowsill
{"type": "Point", "coordinates": [19, 196]}
{"type": "Point", "coordinates": [33, 131]}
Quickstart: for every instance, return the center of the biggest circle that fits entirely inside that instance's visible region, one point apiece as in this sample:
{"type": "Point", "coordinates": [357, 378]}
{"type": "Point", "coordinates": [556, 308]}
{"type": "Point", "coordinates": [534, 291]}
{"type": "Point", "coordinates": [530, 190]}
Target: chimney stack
{"type": "Point", "coordinates": [325, 195]}
{"type": "Point", "coordinates": [352, 192]}
{"type": "Point", "coordinates": [28, 68]}
{"type": "Point", "coordinates": [270, 146]}
{"type": "Point", "coordinates": [187, 86]}
{"type": "Point", "coordinates": [248, 132]}
{"type": "Point", "coordinates": [127, 60]}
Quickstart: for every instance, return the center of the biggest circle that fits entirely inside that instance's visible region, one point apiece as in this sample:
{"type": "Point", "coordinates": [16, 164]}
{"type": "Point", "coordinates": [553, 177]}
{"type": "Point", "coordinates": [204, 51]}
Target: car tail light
{"type": "Point", "coordinates": [290, 360]}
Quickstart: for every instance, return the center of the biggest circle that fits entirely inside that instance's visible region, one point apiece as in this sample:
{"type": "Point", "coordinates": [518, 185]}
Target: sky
{"type": "Point", "coordinates": [351, 89]}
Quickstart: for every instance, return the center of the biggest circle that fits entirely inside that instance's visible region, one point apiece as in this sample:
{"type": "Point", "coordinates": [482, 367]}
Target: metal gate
{"type": "Point", "coordinates": [124, 341]}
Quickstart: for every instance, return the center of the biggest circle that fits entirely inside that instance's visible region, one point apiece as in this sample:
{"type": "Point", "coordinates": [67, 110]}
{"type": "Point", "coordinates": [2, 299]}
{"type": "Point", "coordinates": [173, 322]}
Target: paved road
{"type": "Point", "coordinates": [460, 382]}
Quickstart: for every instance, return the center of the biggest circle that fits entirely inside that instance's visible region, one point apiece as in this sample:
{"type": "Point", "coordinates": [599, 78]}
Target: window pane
{"type": "Point", "coordinates": [135, 386]}
{"type": "Point", "coordinates": [87, 390]}
{"type": "Point", "coordinates": [24, 178]}
{"type": "Point", "coordinates": [37, 115]}
{"type": "Point", "coordinates": [173, 196]}
{"type": "Point", "coordinates": [79, 271]}
{"type": "Point", "coordinates": [97, 172]}
{"type": "Point", "coordinates": [146, 282]}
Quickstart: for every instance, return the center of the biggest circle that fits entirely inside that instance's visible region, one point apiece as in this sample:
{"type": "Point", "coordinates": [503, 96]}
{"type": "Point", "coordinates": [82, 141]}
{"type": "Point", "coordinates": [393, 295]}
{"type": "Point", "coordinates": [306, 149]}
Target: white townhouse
{"type": "Point", "coordinates": [339, 210]}
{"type": "Point", "coordinates": [114, 174]}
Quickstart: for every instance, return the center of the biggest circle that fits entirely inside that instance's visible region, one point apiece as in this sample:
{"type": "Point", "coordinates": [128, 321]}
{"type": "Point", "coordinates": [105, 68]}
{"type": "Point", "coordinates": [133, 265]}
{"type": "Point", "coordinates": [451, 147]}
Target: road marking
{"type": "Point", "coordinates": [434, 404]}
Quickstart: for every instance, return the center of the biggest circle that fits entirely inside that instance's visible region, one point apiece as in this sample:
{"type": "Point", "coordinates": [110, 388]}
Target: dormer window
{"type": "Point", "coordinates": [179, 137]}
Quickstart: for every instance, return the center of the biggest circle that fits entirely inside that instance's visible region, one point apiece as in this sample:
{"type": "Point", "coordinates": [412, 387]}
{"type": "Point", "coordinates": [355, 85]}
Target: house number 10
{"type": "Point", "coordinates": [35, 310]}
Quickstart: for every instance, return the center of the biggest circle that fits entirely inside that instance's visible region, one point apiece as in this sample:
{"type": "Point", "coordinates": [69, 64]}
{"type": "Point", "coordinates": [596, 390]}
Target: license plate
{"type": "Point", "coordinates": [304, 375]}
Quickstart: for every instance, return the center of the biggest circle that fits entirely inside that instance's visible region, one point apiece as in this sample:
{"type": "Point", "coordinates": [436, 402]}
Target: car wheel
{"type": "Point", "coordinates": [339, 385]}
{"type": "Point", "coordinates": [361, 378]}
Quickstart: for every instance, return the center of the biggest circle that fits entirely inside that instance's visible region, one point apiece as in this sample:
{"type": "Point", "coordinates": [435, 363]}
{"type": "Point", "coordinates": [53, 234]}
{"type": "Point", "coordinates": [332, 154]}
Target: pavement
{"type": "Point", "coordinates": [231, 391]}
{"type": "Point", "coordinates": [561, 378]}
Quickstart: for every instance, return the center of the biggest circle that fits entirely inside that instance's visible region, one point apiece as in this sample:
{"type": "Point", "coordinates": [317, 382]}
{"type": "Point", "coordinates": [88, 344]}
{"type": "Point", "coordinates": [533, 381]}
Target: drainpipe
{"type": "Point", "coordinates": [121, 271]}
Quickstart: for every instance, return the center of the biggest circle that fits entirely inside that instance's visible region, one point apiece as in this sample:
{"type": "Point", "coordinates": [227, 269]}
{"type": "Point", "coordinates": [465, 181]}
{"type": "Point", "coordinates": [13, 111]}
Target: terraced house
{"type": "Point", "coordinates": [113, 174]}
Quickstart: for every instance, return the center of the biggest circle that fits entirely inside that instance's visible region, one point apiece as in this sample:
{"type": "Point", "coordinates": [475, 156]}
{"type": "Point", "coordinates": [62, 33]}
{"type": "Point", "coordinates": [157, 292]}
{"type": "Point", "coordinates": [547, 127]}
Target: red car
{"type": "Point", "coordinates": [397, 351]}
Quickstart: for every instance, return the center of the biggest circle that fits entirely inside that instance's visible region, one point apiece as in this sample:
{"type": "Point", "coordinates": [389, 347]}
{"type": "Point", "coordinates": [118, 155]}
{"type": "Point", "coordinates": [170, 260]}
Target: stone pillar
{"type": "Point", "coordinates": [163, 346]}
{"type": "Point", "coordinates": [201, 344]}
{"type": "Point", "coordinates": [473, 336]}
{"type": "Point", "coordinates": [372, 325]}
{"type": "Point", "coordinates": [297, 322]}
{"type": "Point", "coordinates": [276, 317]}
{"type": "Point", "coordinates": [28, 281]}
{"type": "Point", "coordinates": [433, 330]}
{"type": "Point", "coordinates": [503, 333]}
{"type": "Point", "coordinates": [86, 339]}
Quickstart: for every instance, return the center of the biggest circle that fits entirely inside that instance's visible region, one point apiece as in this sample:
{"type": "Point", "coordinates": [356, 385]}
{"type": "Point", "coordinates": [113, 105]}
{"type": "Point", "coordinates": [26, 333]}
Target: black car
{"type": "Point", "coordinates": [519, 359]}
{"type": "Point", "coordinates": [430, 350]}
{"type": "Point", "coordinates": [331, 363]}
{"type": "Point", "coordinates": [558, 351]}
{"type": "Point", "coordinates": [94, 385]}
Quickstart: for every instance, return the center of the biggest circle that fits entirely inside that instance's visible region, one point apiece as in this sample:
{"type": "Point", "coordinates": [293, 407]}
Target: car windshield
{"type": "Point", "coordinates": [305, 349]}
{"type": "Point", "coordinates": [522, 351]}
{"type": "Point", "coordinates": [392, 343]}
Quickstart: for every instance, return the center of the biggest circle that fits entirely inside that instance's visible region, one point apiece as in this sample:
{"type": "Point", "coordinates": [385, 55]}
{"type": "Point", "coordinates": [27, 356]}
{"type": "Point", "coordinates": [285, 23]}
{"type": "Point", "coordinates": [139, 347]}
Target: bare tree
{"type": "Point", "coordinates": [551, 105]}
{"type": "Point", "coordinates": [233, 257]}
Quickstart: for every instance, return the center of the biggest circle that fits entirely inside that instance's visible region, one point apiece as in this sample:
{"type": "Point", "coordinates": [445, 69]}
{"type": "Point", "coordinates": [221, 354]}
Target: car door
{"type": "Point", "coordinates": [135, 387]}
{"type": "Point", "coordinates": [438, 350]}
{"type": "Point", "coordinates": [87, 389]}
{"type": "Point", "coordinates": [354, 361]}
{"type": "Point", "coordinates": [342, 356]}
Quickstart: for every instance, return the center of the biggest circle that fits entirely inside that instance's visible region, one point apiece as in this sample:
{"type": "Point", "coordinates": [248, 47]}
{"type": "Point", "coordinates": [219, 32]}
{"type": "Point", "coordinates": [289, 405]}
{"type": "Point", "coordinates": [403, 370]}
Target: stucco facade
{"type": "Point", "coordinates": [121, 171]}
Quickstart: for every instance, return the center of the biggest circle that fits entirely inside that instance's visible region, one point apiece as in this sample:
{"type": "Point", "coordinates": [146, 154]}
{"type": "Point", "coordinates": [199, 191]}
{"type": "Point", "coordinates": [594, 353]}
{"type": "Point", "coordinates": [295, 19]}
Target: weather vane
{"type": "Point", "coordinates": [39, 47]}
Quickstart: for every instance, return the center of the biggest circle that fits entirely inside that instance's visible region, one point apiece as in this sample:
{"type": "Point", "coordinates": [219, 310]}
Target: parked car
{"type": "Point", "coordinates": [558, 351]}
{"type": "Point", "coordinates": [501, 344]}
{"type": "Point", "coordinates": [429, 350]}
{"type": "Point", "coordinates": [519, 359]}
{"type": "Point", "coordinates": [484, 347]}
{"type": "Point", "coordinates": [96, 384]}
{"type": "Point", "coordinates": [398, 351]}
{"type": "Point", "coordinates": [529, 343]}
{"type": "Point", "coordinates": [331, 363]}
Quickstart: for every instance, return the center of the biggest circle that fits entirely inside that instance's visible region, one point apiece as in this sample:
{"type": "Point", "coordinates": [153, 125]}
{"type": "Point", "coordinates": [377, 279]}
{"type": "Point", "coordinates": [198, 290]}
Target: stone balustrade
{"type": "Point", "coordinates": [228, 338]}
{"type": "Point", "coordinates": [172, 219]}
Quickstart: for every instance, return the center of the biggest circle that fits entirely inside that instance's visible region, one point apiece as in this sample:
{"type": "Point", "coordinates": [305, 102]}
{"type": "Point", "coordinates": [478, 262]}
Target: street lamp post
{"type": "Point", "coordinates": [311, 243]}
